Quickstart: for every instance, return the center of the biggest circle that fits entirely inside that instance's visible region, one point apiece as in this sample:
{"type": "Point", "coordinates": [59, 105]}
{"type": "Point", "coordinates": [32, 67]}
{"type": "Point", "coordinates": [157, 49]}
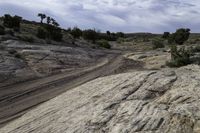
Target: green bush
{"type": "Point", "coordinates": [50, 32]}
{"type": "Point", "coordinates": [120, 34]}
{"type": "Point", "coordinates": [54, 33]}
{"type": "Point", "coordinates": [195, 49]}
{"type": "Point", "coordinates": [2, 30]}
{"type": "Point", "coordinates": [76, 32]}
{"type": "Point", "coordinates": [158, 43]}
{"type": "Point", "coordinates": [179, 57]}
{"type": "Point", "coordinates": [41, 33]}
{"type": "Point", "coordinates": [180, 36]}
{"type": "Point", "coordinates": [11, 22]}
{"type": "Point", "coordinates": [166, 35]}
{"type": "Point", "coordinates": [90, 35]}
{"type": "Point", "coordinates": [104, 44]}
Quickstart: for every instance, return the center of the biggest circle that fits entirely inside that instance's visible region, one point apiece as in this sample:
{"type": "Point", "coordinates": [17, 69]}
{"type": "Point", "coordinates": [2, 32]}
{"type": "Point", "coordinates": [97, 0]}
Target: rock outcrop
{"type": "Point", "coordinates": [164, 101]}
{"type": "Point", "coordinates": [21, 61]}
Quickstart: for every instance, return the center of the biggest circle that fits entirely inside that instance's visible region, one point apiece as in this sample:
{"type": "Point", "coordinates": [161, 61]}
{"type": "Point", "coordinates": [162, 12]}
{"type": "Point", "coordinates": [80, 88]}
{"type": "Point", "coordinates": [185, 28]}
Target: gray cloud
{"type": "Point", "coordinates": [115, 15]}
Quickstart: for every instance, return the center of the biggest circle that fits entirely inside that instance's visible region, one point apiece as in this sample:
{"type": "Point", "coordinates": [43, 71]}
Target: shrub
{"type": "Point", "coordinates": [90, 35]}
{"type": "Point", "coordinates": [179, 57]}
{"type": "Point", "coordinates": [171, 39]}
{"type": "Point", "coordinates": [2, 30]}
{"type": "Point", "coordinates": [120, 40]}
{"type": "Point", "coordinates": [120, 34]}
{"type": "Point", "coordinates": [158, 43]}
{"type": "Point", "coordinates": [41, 33]}
{"type": "Point", "coordinates": [104, 44]}
{"type": "Point", "coordinates": [196, 49]}
{"type": "Point", "coordinates": [11, 22]}
{"type": "Point", "coordinates": [166, 35]}
{"type": "Point", "coordinates": [50, 32]}
{"type": "Point", "coordinates": [76, 32]}
{"type": "Point", "coordinates": [54, 33]}
{"type": "Point", "coordinates": [180, 36]}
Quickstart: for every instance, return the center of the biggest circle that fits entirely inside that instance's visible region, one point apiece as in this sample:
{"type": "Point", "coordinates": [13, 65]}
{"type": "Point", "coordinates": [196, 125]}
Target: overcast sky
{"type": "Point", "coordinates": [115, 15]}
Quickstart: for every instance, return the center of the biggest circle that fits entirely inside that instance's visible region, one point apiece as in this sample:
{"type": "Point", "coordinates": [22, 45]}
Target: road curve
{"type": "Point", "coordinates": [17, 99]}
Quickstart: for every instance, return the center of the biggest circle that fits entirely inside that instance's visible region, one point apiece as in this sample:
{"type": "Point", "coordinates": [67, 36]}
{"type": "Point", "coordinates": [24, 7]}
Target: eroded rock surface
{"type": "Point", "coordinates": [164, 101]}
{"type": "Point", "coordinates": [152, 59]}
{"type": "Point", "coordinates": [22, 61]}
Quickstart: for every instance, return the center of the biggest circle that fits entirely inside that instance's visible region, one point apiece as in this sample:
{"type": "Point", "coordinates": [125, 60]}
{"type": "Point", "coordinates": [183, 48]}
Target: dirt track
{"type": "Point", "coordinates": [17, 99]}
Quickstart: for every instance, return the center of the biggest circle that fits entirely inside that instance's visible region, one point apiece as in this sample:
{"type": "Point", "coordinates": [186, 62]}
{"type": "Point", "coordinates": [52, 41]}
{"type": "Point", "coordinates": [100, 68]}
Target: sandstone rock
{"type": "Point", "coordinates": [164, 101]}
{"type": "Point", "coordinates": [40, 60]}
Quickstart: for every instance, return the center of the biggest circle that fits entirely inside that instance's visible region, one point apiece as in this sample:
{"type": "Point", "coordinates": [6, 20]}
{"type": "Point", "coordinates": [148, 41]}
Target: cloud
{"type": "Point", "coordinates": [115, 15]}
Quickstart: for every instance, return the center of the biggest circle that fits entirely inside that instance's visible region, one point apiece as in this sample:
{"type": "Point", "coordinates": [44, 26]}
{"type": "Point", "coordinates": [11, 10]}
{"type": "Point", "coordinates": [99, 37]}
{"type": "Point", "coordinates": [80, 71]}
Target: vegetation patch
{"type": "Point", "coordinates": [179, 37]}
{"type": "Point", "coordinates": [90, 35]}
{"type": "Point", "coordinates": [158, 43]}
{"type": "Point", "coordinates": [179, 57]}
{"type": "Point", "coordinates": [12, 22]}
{"type": "Point", "coordinates": [76, 32]}
{"type": "Point", "coordinates": [104, 44]}
{"type": "Point", "coordinates": [49, 30]}
{"type": "Point", "coordinates": [41, 33]}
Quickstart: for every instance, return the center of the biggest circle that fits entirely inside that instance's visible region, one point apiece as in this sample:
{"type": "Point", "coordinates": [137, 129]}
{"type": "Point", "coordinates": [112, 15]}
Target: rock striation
{"type": "Point", "coordinates": [150, 101]}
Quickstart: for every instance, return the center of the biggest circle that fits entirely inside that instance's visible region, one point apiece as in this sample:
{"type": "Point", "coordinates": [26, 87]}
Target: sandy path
{"type": "Point", "coordinates": [18, 99]}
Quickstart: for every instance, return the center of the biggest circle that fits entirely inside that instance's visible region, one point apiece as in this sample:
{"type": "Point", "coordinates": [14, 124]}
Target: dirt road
{"type": "Point", "coordinates": [17, 99]}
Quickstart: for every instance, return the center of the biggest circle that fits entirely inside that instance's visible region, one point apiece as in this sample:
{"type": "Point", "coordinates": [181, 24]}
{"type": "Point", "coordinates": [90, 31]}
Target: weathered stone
{"type": "Point", "coordinates": [144, 102]}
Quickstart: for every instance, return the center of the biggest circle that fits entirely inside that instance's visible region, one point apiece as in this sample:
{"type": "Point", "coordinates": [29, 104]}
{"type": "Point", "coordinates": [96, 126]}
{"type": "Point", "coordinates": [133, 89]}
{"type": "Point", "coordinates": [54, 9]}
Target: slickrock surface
{"type": "Point", "coordinates": [152, 59]}
{"type": "Point", "coordinates": [22, 61]}
{"type": "Point", "coordinates": [166, 101]}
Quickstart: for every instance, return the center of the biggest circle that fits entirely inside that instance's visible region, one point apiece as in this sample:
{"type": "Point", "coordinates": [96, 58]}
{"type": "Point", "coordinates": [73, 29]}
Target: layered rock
{"type": "Point", "coordinates": [164, 101]}
{"type": "Point", "coordinates": [22, 61]}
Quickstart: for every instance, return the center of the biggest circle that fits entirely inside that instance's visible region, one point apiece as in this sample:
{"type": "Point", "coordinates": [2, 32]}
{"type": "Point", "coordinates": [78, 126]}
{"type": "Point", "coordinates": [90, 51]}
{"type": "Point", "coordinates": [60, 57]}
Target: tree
{"type": "Point", "coordinates": [54, 23]}
{"type": "Point", "coordinates": [166, 35]}
{"type": "Point", "coordinates": [108, 33]}
{"type": "Point", "coordinates": [48, 20]}
{"type": "Point", "coordinates": [42, 16]}
{"type": "Point", "coordinates": [180, 36]}
{"type": "Point", "coordinates": [50, 30]}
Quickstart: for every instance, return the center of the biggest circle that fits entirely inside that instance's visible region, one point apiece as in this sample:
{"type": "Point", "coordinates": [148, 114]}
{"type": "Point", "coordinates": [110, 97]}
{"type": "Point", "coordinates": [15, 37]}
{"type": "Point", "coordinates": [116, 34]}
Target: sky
{"type": "Point", "coordinates": [129, 16]}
